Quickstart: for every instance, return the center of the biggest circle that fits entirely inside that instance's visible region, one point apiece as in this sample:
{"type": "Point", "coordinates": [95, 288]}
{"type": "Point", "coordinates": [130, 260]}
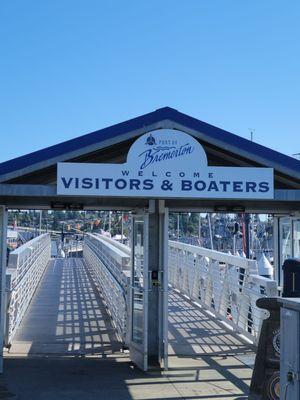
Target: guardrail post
{"type": "Point", "coordinates": [3, 256]}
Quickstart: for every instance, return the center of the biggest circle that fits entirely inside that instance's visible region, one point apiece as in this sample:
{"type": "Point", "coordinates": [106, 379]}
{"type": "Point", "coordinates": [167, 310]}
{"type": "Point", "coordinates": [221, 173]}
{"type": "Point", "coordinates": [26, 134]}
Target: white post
{"type": "Point", "coordinates": [276, 251]}
{"type": "Point", "coordinates": [40, 226]}
{"type": "Point", "coordinates": [32, 215]}
{"type": "Point", "coordinates": [252, 239]}
{"type": "Point", "coordinates": [234, 244]}
{"type": "Point", "coordinates": [122, 227]}
{"type": "Point", "coordinates": [104, 221]}
{"type": "Point", "coordinates": [199, 229]}
{"type": "Point", "coordinates": [109, 222]}
{"type": "Point", "coordinates": [3, 255]}
{"type": "Point", "coordinates": [210, 232]}
{"type": "Point", "coordinates": [178, 228]}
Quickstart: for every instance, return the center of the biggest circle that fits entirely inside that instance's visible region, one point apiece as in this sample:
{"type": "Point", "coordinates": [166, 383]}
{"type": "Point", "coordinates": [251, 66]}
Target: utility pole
{"type": "Point", "coordinates": [251, 134]}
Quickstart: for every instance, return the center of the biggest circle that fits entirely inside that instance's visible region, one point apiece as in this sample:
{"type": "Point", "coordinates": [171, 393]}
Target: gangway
{"type": "Point", "coordinates": [79, 307]}
{"type": "Point", "coordinates": [66, 316]}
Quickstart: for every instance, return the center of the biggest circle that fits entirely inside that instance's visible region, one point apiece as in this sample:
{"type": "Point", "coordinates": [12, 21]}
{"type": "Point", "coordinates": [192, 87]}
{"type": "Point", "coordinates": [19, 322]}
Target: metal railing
{"type": "Point", "coordinates": [109, 268]}
{"type": "Point", "coordinates": [226, 285]}
{"type": "Point", "coordinates": [26, 266]}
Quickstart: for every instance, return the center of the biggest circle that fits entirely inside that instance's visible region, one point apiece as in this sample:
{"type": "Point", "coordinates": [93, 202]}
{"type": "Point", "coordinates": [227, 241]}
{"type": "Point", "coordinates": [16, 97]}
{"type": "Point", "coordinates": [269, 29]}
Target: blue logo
{"type": "Point", "coordinates": [150, 140]}
{"type": "Point", "coordinates": [158, 154]}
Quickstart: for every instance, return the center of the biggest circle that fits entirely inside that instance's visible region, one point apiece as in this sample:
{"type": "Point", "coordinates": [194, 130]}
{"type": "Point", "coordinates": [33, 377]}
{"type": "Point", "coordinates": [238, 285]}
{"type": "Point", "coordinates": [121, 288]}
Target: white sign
{"type": "Point", "coordinates": [163, 164]}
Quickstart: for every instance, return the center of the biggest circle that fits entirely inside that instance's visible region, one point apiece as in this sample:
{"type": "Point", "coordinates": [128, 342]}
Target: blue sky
{"type": "Point", "coordinates": [71, 67]}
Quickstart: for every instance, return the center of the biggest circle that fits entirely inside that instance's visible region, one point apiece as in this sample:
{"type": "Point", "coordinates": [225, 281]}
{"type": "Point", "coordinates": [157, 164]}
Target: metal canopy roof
{"type": "Point", "coordinates": [35, 173]}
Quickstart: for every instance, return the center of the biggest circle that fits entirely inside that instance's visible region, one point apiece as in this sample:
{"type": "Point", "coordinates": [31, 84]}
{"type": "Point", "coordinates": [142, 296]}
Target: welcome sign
{"type": "Point", "coordinates": [163, 164]}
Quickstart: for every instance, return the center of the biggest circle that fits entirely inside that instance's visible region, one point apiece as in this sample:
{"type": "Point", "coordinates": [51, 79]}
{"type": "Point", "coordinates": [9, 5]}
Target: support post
{"type": "Point", "coordinates": [199, 229]}
{"type": "Point", "coordinates": [40, 223]}
{"type": "Point", "coordinates": [3, 256]}
{"type": "Point", "coordinates": [122, 227]}
{"type": "Point", "coordinates": [109, 222]}
{"type": "Point", "coordinates": [153, 265]}
{"type": "Point", "coordinates": [157, 299]}
{"type": "Point", "coordinates": [276, 252]}
{"type": "Point", "coordinates": [210, 232]}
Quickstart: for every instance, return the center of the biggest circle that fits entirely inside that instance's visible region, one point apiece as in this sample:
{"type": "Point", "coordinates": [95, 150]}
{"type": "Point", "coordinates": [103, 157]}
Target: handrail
{"type": "Point", "coordinates": [226, 285]}
{"type": "Point", "coordinates": [108, 266]}
{"type": "Point", "coordinates": [121, 246]}
{"type": "Point", "coordinates": [26, 266]}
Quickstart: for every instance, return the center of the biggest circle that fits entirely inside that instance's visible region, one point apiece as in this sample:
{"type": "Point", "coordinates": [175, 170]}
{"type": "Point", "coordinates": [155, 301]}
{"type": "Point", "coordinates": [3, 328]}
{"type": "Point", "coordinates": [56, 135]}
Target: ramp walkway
{"type": "Point", "coordinates": [66, 347]}
{"type": "Point", "coordinates": [66, 316]}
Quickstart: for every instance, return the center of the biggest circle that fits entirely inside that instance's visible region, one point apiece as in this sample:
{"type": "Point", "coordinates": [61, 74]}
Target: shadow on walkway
{"type": "Point", "coordinates": [200, 344]}
{"type": "Point", "coordinates": [66, 349]}
{"type": "Point", "coordinates": [66, 316]}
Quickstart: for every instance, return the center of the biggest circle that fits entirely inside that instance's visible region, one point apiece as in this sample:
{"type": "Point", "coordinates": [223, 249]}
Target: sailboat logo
{"type": "Point", "coordinates": [150, 140]}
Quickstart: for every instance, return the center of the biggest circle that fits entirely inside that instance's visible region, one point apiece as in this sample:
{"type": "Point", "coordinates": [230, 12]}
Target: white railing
{"type": "Point", "coordinates": [109, 267]}
{"type": "Point", "coordinates": [226, 285]}
{"type": "Point", "coordinates": [25, 268]}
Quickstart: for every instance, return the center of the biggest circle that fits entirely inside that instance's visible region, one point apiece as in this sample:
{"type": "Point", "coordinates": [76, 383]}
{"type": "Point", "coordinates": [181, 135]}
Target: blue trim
{"type": "Point", "coordinates": [239, 142]}
{"type": "Point", "coordinates": [79, 142]}
{"type": "Point", "coordinates": [148, 119]}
